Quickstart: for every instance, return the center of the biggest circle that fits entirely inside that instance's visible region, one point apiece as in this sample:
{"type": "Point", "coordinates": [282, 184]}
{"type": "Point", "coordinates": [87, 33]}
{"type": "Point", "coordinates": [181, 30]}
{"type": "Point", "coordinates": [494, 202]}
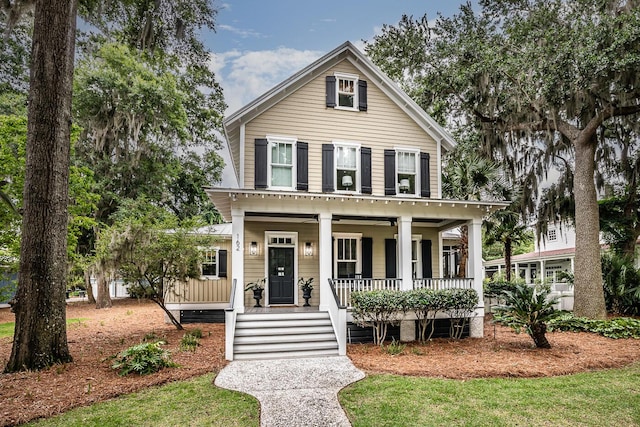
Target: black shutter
{"type": "Point", "coordinates": [362, 95]}
{"type": "Point", "coordinates": [367, 258]}
{"type": "Point", "coordinates": [331, 91]}
{"type": "Point", "coordinates": [425, 177]}
{"type": "Point", "coordinates": [302, 150]}
{"type": "Point", "coordinates": [260, 178]}
{"type": "Point", "coordinates": [327, 168]}
{"type": "Point", "coordinates": [390, 258]}
{"type": "Point", "coordinates": [427, 265]}
{"type": "Point", "coordinates": [365, 164]}
{"type": "Point", "coordinates": [222, 263]}
{"type": "Point", "coordinates": [389, 172]}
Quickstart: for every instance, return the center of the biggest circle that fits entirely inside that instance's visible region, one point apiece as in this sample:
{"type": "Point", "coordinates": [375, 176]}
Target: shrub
{"type": "Point", "coordinates": [620, 327]}
{"type": "Point", "coordinates": [191, 340]}
{"type": "Point", "coordinates": [621, 285]}
{"type": "Point", "coordinates": [145, 358]}
{"type": "Point", "coordinates": [425, 303]}
{"type": "Point", "coordinates": [378, 309]}
{"type": "Point", "coordinates": [528, 307]}
{"type": "Point", "coordinates": [459, 305]}
{"type": "Point", "coordinates": [395, 347]}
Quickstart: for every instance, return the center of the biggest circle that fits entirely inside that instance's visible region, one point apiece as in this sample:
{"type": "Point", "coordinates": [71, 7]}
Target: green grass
{"type": "Point", "coordinates": [196, 402]}
{"type": "Point", "coordinates": [6, 329]}
{"type": "Point", "coordinates": [602, 398]}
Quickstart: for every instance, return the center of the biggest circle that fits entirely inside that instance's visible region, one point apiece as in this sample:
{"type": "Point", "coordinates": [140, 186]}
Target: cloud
{"type": "Point", "coordinates": [245, 76]}
{"type": "Point", "coordinates": [245, 34]}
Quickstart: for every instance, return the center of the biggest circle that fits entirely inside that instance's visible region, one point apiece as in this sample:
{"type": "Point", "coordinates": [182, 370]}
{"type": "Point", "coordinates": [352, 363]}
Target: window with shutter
{"type": "Point", "coordinates": [210, 263]}
{"type": "Point", "coordinates": [346, 92]}
{"type": "Point", "coordinates": [407, 178]}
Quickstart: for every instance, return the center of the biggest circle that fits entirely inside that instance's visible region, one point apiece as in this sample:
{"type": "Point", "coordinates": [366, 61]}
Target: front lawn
{"type": "Point", "coordinates": [601, 398]}
{"type": "Point", "coordinates": [6, 329]}
{"type": "Point", "coordinates": [196, 402]}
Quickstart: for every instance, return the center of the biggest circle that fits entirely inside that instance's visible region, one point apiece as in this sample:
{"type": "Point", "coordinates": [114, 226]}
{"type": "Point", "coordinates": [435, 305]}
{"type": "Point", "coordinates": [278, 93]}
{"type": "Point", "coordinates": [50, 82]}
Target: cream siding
{"type": "Point", "coordinates": [205, 291]}
{"type": "Point", "coordinates": [303, 115]}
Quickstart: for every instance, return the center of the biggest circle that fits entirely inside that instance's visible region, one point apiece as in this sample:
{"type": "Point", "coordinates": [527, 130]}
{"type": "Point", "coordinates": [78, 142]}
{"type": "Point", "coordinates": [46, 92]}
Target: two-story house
{"type": "Point", "coordinates": [339, 176]}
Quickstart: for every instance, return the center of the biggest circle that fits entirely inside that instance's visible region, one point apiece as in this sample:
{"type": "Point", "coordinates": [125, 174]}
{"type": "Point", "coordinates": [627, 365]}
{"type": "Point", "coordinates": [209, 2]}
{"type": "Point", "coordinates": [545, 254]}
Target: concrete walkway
{"type": "Point", "coordinates": [294, 392]}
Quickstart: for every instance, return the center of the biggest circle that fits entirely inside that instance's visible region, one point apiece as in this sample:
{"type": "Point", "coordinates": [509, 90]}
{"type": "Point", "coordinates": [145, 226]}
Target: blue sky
{"type": "Point", "coordinates": [260, 43]}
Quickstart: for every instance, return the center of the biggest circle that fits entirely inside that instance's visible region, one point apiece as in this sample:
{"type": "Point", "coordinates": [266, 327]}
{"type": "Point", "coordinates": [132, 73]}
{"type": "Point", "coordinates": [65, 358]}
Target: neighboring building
{"type": "Point", "coordinates": [554, 253]}
{"type": "Point", "coordinates": [339, 177]}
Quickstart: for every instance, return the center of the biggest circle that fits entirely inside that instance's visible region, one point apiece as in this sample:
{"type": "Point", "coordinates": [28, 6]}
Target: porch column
{"type": "Point", "coordinates": [324, 258]}
{"type": "Point", "coordinates": [237, 257]}
{"type": "Point", "coordinates": [543, 271]}
{"type": "Point", "coordinates": [404, 248]}
{"type": "Point", "coordinates": [476, 327]}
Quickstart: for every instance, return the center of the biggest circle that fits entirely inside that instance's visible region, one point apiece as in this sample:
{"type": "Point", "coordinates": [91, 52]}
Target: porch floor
{"type": "Point", "coordinates": [284, 309]}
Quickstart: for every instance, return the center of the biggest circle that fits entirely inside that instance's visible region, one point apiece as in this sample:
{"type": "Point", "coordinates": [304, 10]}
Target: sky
{"type": "Point", "coordinates": [260, 43]}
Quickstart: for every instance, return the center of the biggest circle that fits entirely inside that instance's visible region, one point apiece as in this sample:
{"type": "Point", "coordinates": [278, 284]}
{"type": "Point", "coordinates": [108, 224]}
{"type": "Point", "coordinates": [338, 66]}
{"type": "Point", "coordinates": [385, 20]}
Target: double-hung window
{"type": "Point", "coordinates": [407, 178]}
{"type": "Point", "coordinates": [347, 166]}
{"type": "Point", "coordinates": [347, 258]}
{"type": "Point", "coordinates": [347, 87]}
{"type": "Point", "coordinates": [209, 263]}
{"type": "Point", "coordinates": [281, 162]}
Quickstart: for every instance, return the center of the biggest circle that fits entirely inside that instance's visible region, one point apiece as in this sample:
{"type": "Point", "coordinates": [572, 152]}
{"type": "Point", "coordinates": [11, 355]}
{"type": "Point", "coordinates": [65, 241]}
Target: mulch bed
{"type": "Point", "coordinates": [89, 378]}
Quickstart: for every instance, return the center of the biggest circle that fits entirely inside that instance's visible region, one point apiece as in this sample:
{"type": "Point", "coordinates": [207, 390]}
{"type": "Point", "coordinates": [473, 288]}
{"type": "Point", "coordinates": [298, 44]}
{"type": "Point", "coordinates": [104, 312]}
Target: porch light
{"type": "Point", "coordinates": [347, 181]}
{"type": "Point", "coordinates": [253, 248]}
{"type": "Point", "coordinates": [308, 249]}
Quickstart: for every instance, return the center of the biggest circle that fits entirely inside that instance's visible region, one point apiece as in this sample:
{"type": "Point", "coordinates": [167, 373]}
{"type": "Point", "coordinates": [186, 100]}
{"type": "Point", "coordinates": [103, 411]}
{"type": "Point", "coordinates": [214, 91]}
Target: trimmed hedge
{"type": "Point", "coordinates": [380, 309]}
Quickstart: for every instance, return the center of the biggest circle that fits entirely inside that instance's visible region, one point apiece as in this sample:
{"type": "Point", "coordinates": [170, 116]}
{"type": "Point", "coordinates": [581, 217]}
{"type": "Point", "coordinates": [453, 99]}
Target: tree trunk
{"type": "Point", "coordinates": [507, 259]}
{"type": "Point", "coordinates": [538, 333]}
{"type": "Point", "coordinates": [170, 315]}
{"type": "Point", "coordinates": [40, 337]}
{"type": "Point", "coordinates": [88, 286]}
{"type": "Point", "coordinates": [102, 282]}
{"type": "Point", "coordinates": [588, 289]}
{"type": "Point", "coordinates": [464, 250]}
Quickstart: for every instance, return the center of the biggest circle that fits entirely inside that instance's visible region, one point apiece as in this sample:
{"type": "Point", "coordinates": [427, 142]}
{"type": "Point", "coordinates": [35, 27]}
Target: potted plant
{"type": "Point", "coordinates": [257, 287]}
{"type": "Point", "coordinates": [305, 285]}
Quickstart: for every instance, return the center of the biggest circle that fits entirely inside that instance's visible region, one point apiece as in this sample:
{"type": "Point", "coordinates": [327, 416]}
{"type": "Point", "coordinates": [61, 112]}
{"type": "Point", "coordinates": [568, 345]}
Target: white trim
{"type": "Point", "coordinates": [294, 244]}
{"type": "Point", "coordinates": [358, 238]}
{"type": "Point", "coordinates": [217, 260]}
{"type": "Point", "coordinates": [347, 76]}
{"type": "Point", "coordinates": [273, 139]}
{"type": "Point", "coordinates": [242, 154]}
{"type": "Point", "coordinates": [439, 169]}
{"type": "Point", "coordinates": [357, 185]}
{"type": "Point", "coordinates": [417, 183]}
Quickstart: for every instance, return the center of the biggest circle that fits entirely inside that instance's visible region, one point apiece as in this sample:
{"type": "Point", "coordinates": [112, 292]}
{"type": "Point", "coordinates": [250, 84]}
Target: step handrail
{"type": "Point", "coordinates": [338, 315]}
{"type": "Point", "coordinates": [230, 323]}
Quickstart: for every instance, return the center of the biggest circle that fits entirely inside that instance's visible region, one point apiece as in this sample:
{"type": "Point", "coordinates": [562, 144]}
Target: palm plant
{"type": "Point", "coordinates": [469, 176]}
{"type": "Point", "coordinates": [506, 227]}
{"type": "Point", "coordinates": [529, 308]}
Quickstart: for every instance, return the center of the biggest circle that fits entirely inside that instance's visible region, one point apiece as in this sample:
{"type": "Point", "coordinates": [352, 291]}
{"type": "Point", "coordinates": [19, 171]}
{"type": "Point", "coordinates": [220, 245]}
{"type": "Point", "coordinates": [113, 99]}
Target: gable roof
{"type": "Point", "coordinates": [374, 75]}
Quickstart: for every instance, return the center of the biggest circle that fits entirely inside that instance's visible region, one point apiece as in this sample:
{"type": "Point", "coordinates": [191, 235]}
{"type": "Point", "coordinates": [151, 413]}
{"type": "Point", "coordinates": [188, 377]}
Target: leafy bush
{"type": "Point", "coordinates": [529, 308]}
{"type": "Point", "coordinates": [378, 309]}
{"type": "Point", "coordinates": [621, 285]}
{"type": "Point", "coordinates": [620, 327]}
{"type": "Point", "coordinates": [145, 358]}
{"type": "Point", "coordinates": [383, 308]}
{"type": "Point", "coordinates": [191, 340]}
{"type": "Point", "coordinates": [459, 305]}
{"type": "Point", "coordinates": [425, 303]}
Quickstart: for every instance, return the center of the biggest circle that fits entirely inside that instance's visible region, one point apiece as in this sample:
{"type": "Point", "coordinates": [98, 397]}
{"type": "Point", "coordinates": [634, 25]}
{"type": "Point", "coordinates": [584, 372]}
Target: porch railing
{"type": "Point", "coordinates": [344, 287]}
{"type": "Point", "coordinates": [444, 283]}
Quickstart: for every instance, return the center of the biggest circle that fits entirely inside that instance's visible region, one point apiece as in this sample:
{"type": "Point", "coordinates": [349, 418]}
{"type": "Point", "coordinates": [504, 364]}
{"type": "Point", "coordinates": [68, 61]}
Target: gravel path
{"type": "Point", "coordinates": [294, 392]}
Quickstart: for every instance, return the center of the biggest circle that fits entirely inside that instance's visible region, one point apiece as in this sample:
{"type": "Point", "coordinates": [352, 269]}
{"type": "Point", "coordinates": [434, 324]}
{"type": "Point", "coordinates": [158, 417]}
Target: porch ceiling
{"type": "Point", "coordinates": [438, 213]}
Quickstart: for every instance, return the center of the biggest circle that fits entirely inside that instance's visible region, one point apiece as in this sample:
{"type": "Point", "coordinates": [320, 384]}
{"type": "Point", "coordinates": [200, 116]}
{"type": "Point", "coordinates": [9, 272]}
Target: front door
{"type": "Point", "coordinates": [281, 280]}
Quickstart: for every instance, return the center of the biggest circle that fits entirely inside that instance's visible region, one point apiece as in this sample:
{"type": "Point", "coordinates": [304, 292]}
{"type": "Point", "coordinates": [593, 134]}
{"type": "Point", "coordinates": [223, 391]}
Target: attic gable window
{"type": "Point", "coordinates": [346, 92]}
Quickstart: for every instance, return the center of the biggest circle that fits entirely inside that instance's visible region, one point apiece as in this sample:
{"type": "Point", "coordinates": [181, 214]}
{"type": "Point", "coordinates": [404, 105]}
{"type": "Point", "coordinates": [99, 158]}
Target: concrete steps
{"type": "Point", "coordinates": [284, 335]}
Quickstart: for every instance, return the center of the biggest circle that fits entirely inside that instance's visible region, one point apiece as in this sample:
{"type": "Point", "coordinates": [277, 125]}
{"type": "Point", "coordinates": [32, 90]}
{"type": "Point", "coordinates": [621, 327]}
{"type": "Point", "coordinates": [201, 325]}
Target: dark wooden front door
{"type": "Point", "coordinates": [281, 280]}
